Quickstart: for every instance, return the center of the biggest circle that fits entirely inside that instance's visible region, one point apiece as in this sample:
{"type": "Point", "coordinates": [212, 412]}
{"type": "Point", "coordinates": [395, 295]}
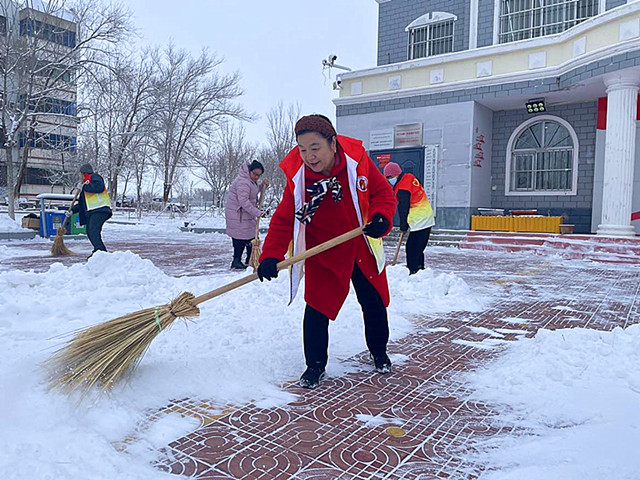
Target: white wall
{"type": "Point", "coordinates": [449, 126]}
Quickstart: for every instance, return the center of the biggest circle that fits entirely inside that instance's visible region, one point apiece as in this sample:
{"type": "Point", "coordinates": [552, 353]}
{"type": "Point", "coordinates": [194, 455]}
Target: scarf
{"type": "Point", "coordinates": [317, 191]}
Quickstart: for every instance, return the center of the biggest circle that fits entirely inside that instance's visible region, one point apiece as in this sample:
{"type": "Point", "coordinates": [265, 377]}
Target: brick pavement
{"type": "Point", "coordinates": [428, 426]}
{"type": "Point", "coordinates": [424, 426]}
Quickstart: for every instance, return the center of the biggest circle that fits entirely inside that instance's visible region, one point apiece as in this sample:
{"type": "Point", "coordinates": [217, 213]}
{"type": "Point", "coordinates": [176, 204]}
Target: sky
{"type": "Point", "coordinates": [276, 46]}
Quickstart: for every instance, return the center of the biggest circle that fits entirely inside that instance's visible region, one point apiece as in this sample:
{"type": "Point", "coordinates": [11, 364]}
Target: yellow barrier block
{"type": "Point", "coordinates": [516, 223]}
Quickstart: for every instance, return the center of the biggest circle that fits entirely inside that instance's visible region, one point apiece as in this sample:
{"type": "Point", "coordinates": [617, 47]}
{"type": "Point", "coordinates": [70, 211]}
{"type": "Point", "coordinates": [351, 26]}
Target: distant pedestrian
{"type": "Point", "coordinates": [93, 206]}
{"type": "Point", "coordinates": [415, 212]}
{"type": "Point", "coordinates": [241, 211]}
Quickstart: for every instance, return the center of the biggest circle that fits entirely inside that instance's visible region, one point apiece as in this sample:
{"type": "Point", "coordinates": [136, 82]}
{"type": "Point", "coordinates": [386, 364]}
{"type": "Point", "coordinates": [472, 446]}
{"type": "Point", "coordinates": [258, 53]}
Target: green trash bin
{"type": "Point", "coordinates": [76, 228]}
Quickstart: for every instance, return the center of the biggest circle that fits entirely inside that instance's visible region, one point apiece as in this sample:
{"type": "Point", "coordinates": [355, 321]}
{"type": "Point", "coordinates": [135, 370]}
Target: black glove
{"type": "Point", "coordinates": [377, 227]}
{"type": "Point", "coordinates": [404, 226]}
{"type": "Point", "coordinates": [268, 269]}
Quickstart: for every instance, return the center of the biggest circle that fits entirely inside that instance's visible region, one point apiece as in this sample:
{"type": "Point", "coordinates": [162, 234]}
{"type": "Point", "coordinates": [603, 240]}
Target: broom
{"type": "Point", "coordinates": [395, 255]}
{"type": "Point", "coordinates": [256, 251]}
{"type": "Point", "coordinates": [59, 248]}
{"type": "Point", "coordinates": [105, 352]}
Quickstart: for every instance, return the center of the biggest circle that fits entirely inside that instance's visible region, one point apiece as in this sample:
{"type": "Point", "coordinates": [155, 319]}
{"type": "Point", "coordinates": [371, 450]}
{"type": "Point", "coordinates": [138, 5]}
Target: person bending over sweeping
{"type": "Point", "coordinates": [241, 211]}
{"type": "Point", "coordinates": [416, 214]}
{"type": "Point", "coordinates": [93, 206]}
{"type": "Point", "coordinates": [332, 187]}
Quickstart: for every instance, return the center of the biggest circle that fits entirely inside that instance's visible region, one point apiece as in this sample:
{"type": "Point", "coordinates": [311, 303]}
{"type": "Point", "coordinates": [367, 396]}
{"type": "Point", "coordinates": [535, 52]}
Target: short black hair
{"type": "Point", "coordinates": [256, 165]}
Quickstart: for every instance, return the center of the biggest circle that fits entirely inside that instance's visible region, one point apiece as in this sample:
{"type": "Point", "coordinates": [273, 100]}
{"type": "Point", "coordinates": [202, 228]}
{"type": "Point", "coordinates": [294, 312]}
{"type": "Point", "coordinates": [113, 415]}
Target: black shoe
{"type": "Point", "coordinates": [238, 265]}
{"type": "Point", "coordinates": [382, 363]}
{"type": "Point", "coordinates": [311, 377]}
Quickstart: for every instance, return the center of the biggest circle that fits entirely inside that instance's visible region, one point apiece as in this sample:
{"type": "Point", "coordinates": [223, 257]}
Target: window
{"type": "Point", "coordinates": [49, 141]}
{"type": "Point", "coordinates": [46, 31]}
{"type": "Point", "coordinates": [431, 34]}
{"type": "Point", "coordinates": [50, 105]}
{"type": "Point", "coordinates": [542, 158]}
{"type": "Point", "coordinates": [521, 19]}
{"type": "Point", "coordinates": [37, 176]}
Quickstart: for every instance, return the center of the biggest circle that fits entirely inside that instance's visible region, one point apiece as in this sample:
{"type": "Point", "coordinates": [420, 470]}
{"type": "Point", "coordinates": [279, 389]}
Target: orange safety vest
{"type": "Point", "coordinates": [97, 200]}
{"type": "Point", "coordinates": [420, 211]}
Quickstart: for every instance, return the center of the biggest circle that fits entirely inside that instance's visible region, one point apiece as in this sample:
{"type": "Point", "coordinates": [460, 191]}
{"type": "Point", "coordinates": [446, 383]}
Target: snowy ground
{"type": "Point", "coordinates": [571, 395]}
{"type": "Point", "coordinates": [243, 346]}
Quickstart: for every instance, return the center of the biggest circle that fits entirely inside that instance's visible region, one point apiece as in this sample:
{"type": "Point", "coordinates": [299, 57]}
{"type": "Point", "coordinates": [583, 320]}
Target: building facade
{"type": "Point", "coordinates": [512, 104]}
{"type": "Point", "coordinates": [43, 88]}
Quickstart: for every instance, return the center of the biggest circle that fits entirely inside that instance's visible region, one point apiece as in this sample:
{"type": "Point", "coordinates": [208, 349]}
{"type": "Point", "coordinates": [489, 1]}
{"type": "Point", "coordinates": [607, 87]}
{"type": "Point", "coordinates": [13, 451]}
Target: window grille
{"type": "Point", "coordinates": [522, 19]}
{"type": "Point", "coordinates": [432, 39]}
{"type": "Point", "coordinates": [542, 159]}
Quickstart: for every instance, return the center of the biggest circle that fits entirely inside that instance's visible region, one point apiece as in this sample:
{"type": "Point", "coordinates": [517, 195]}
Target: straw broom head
{"type": "Point", "coordinates": [58, 248]}
{"type": "Point", "coordinates": [256, 251]}
{"type": "Point", "coordinates": [102, 354]}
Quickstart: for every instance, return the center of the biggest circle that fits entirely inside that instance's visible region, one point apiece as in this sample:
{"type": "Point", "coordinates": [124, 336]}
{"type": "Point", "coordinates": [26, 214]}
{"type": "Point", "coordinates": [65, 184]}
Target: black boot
{"type": "Point", "coordinates": [311, 377]}
{"type": "Point", "coordinates": [382, 363]}
{"type": "Point", "coordinates": [237, 264]}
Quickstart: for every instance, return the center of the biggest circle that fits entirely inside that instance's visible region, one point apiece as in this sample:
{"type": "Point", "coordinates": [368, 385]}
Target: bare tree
{"type": "Point", "coordinates": [191, 96]}
{"type": "Point", "coordinates": [44, 48]}
{"type": "Point", "coordinates": [220, 158]}
{"type": "Point", "coordinates": [120, 100]}
{"type": "Point", "coordinates": [280, 140]}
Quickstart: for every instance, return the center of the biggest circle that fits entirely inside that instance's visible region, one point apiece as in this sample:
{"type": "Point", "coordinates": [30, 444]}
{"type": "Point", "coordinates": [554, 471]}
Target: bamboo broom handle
{"type": "Point", "coordinates": [67, 214]}
{"type": "Point", "coordinates": [282, 265]}
{"type": "Point", "coordinates": [395, 255]}
{"type": "Point", "coordinates": [262, 189]}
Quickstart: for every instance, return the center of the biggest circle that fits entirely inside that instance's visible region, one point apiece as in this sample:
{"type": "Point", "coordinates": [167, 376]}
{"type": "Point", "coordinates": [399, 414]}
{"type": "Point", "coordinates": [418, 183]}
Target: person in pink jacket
{"type": "Point", "coordinates": [242, 212]}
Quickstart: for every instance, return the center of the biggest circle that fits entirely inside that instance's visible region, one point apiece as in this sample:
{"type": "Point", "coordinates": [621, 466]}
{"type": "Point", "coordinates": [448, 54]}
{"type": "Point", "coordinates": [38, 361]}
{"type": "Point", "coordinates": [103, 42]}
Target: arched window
{"type": "Point", "coordinates": [542, 158]}
{"type": "Point", "coordinates": [431, 34]}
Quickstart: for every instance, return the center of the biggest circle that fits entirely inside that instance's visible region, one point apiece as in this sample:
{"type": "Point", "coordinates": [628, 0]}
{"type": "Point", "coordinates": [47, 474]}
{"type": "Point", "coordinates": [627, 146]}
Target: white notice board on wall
{"type": "Point", "coordinates": [431, 174]}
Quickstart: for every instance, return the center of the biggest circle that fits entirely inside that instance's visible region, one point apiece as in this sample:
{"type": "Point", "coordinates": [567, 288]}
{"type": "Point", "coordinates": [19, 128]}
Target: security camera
{"type": "Point", "coordinates": [330, 62]}
{"type": "Point", "coordinates": [337, 85]}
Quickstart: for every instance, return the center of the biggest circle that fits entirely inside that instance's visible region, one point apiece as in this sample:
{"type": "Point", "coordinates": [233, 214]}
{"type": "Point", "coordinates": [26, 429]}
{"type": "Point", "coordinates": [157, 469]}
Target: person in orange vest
{"type": "Point", "coordinates": [416, 214]}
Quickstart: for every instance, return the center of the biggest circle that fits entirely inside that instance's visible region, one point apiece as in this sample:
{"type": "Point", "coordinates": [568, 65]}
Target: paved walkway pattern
{"type": "Point", "coordinates": [428, 426]}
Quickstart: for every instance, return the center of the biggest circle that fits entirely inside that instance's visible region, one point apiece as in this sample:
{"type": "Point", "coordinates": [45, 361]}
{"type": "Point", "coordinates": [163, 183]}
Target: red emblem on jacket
{"type": "Point", "coordinates": [363, 183]}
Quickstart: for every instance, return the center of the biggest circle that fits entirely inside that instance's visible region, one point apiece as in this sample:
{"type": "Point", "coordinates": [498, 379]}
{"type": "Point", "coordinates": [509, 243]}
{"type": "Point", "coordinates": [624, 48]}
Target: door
{"type": "Point", "coordinates": [410, 159]}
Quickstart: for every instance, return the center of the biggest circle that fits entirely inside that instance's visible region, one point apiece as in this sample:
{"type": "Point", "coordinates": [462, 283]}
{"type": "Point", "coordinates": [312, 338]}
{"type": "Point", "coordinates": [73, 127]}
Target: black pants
{"type": "Point", "coordinates": [416, 243]}
{"type": "Point", "coordinates": [376, 327]}
{"type": "Point", "coordinates": [239, 246]}
{"type": "Point", "coordinates": [95, 221]}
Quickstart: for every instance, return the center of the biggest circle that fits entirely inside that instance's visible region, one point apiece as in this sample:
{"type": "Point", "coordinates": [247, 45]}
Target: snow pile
{"type": "Point", "coordinates": [7, 224]}
{"type": "Point", "coordinates": [241, 348]}
{"type": "Point", "coordinates": [430, 292]}
{"type": "Point", "coordinates": [575, 392]}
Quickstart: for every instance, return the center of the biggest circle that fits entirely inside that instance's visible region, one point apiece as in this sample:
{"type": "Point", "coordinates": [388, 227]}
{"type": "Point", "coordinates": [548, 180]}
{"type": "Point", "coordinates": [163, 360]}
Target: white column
{"type": "Point", "coordinates": [619, 155]}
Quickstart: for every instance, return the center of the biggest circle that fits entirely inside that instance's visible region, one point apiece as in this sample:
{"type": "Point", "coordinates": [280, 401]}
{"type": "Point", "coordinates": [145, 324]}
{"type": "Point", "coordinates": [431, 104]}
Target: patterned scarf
{"type": "Point", "coordinates": [317, 191]}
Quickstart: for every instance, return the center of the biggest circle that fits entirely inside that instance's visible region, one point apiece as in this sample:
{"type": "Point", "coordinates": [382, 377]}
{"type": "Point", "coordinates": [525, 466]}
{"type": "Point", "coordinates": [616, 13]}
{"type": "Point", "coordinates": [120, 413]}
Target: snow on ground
{"type": "Point", "coordinates": [7, 224]}
{"type": "Point", "coordinates": [243, 346]}
{"type": "Point", "coordinates": [573, 396]}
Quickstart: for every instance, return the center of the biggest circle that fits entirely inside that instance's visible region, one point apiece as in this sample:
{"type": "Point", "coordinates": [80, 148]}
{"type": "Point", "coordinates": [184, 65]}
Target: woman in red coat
{"type": "Point", "coordinates": [332, 187]}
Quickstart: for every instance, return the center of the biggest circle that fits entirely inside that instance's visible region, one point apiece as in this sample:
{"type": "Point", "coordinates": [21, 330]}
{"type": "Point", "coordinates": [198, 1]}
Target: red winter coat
{"type": "Point", "coordinates": [328, 274]}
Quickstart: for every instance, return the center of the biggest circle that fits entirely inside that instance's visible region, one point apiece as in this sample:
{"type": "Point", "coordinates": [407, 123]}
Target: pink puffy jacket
{"type": "Point", "coordinates": [241, 211]}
